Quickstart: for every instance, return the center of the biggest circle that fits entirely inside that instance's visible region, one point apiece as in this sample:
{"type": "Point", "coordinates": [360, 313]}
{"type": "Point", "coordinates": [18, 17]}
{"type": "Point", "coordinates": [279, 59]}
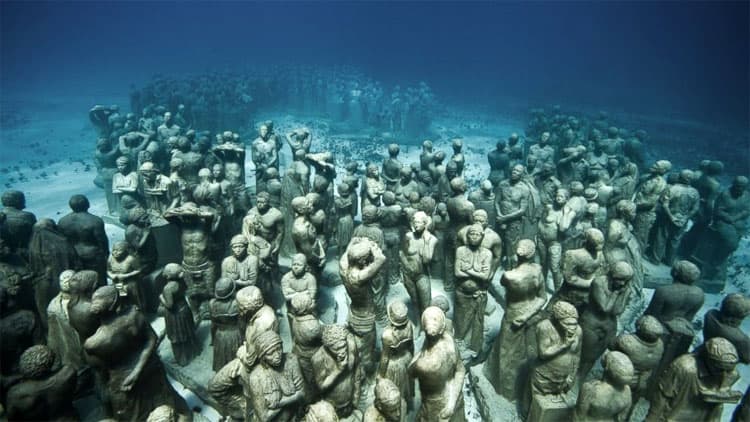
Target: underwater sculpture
{"type": "Point", "coordinates": [86, 232]}
{"type": "Point", "coordinates": [610, 397]}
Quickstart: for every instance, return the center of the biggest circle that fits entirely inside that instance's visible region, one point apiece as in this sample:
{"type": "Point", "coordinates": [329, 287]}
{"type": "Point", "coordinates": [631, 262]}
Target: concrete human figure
{"type": "Point", "coordinates": [197, 227]}
{"type": "Point", "coordinates": [645, 349]}
{"type": "Point", "coordinates": [168, 128]}
{"type": "Point", "coordinates": [264, 155]}
{"type": "Point", "coordinates": [124, 182]}
{"type": "Point", "coordinates": [123, 349]}
{"type": "Point", "coordinates": [609, 398]}
{"type": "Point", "coordinates": [241, 267]}
{"type": "Point", "coordinates": [679, 203]}
{"type": "Point", "coordinates": [473, 269]}
{"type": "Point", "coordinates": [157, 190]}
{"type": "Point", "coordinates": [299, 281]}
{"type": "Point", "coordinates": [391, 172]}
{"type": "Point", "coordinates": [491, 239]}
{"type": "Point", "coordinates": [255, 315]}
{"type": "Point", "coordinates": [398, 350]}
{"type": "Point", "coordinates": [62, 339]}
{"type": "Point", "coordinates": [105, 159]}
{"type": "Point", "coordinates": [514, 349]}
{"type": "Point", "coordinates": [306, 330]}
{"type": "Point", "coordinates": [18, 224]}
{"type": "Point", "coordinates": [337, 376]}
{"type": "Point", "coordinates": [274, 386]}
{"type": "Point", "coordinates": [43, 392]}
{"type": "Point", "coordinates": [580, 268]}
{"type": "Point", "coordinates": [416, 255]}
{"type": "Point", "coordinates": [697, 385]}
{"type": "Point", "coordinates": [358, 267]}
{"type": "Point", "coordinates": [607, 300]}
{"type": "Point", "coordinates": [675, 305]}
{"type": "Point", "coordinates": [440, 372]}
{"type": "Point", "coordinates": [460, 212]}
{"type": "Point", "coordinates": [511, 207]}
{"type": "Point", "coordinates": [388, 405]}
{"type": "Point", "coordinates": [86, 232]}
{"type": "Point", "coordinates": [373, 187]}
{"type": "Point", "coordinates": [179, 323]}
{"type": "Point", "coordinates": [225, 326]}
{"type": "Point", "coordinates": [499, 163]}
{"type": "Point", "coordinates": [554, 228]}
{"type": "Point", "coordinates": [124, 270]}
{"type": "Point", "coordinates": [725, 322]}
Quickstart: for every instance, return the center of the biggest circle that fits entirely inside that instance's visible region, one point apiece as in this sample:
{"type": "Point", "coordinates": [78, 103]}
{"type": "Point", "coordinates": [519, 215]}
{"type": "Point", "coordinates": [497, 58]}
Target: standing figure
{"type": "Point", "coordinates": [306, 331]}
{"type": "Point", "coordinates": [460, 212]}
{"type": "Point", "coordinates": [608, 399]}
{"type": "Point", "coordinates": [558, 354]}
{"type": "Point", "coordinates": [240, 267]}
{"type": "Point", "coordinates": [726, 321]}
{"type": "Point", "coordinates": [679, 203]}
{"type": "Point", "coordinates": [439, 370]}
{"type": "Point", "coordinates": [178, 323]}
{"type": "Point", "coordinates": [553, 230]}
{"type": "Point", "coordinates": [231, 152]}
{"type": "Point", "coordinates": [305, 235]}
{"type": "Point", "coordinates": [607, 300]}
{"type": "Point", "coordinates": [696, 385]}
{"type": "Point", "coordinates": [675, 306]}
{"type": "Point", "coordinates": [18, 226]}
{"type": "Point", "coordinates": [50, 254]}
{"type": "Point", "coordinates": [388, 405]}
{"type": "Point", "coordinates": [416, 255]}
{"type": "Point", "coordinates": [274, 387]}
{"type": "Point", "coordinates": [197, 227]}
{"type": "Point", "coordinates": [345, 212]}
{"type": "Point", "coordinates": [511, 208]}
{"type": "Point", "coordinates": [225, 324]}
{"type": "Point", "coordinates": [157, 190]}
{"type": "Point", "coordinates": [373, 187]}
{"type": "Point", "coordinates": [359, 266]}
{"type": "Point", "coordinates": [398, 350]}
{"type": "Point", "coordinates": [105, 159]}
{"type": "Point", "coordinates": [645, 349]}
{"type": "Point", "coordinates": [255, 316]}
{"type": "Point", "coordinates": [515, 348]}
{"type": "Point", "coordinates": [337, 376]}
{"type": "Point", "coordinates": [123, 349]}
{"type": "Point", "coordinates": [62, 338]}
{"type": "Point", "coordinates": [86, 232]}
{"type": "Point", "coordinates": [580, 268]}
{"type": "Point", "coordinates": [646, 200]}
{"type": "Point", "coordinates": [125, 272]}
{"type": "Point", "coordinates": [499, 163]}
{"type": "Point", "coordinates": [264, 155]}
{"type": "Point", "coordinates": [392, 168]}
{"type": "Point", "coordinates": [124, 182]}
{"type": "Point", "coordinates": [473, 269]}
{"type": "Point", "coordinates": [299, 281]}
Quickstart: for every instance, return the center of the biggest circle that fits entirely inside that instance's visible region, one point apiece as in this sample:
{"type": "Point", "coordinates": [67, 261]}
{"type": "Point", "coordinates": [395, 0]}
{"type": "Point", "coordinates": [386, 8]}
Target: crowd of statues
{"type": "Point", "coordinates": [556, 235]}
{"type": "Point", "coordinates": [217, 100]}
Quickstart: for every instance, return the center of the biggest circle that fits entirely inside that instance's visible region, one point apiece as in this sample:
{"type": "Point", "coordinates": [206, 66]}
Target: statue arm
{"type": "Point", "coordinates": [379, 259]}
{"type": "Point", "coordinates": [146, 352]}
{"type": "Point", "coordinates": [459, 271]}
{"type": "Point", "coordinates": [548, 348]}
{"type": "Point", "coordinates": [455, 388]}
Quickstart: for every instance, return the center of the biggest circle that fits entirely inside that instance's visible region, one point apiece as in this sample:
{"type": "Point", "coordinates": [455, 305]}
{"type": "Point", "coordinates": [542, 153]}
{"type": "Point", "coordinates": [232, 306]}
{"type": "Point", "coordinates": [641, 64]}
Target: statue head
{"type": "Point", "coordinates": [84, 282]}
{"type": "Point", "coordinates": [301, 205]}
{"type": "Point", "coordinates": [299, 264]}
{"type": "Point", "coordinates": [419, 222]}
{"type": "Point", "coordinates": [618, 369]}
{"type": "Point", "coordinates": [373, 171]}
{"type": "Point", "coordinates": [249, 300]}
{"type": "Point", "coordinates": [268, 346]}
{"type": "Point", "coordinates": [720, 355]}
{"type": "Point", "coordinates": [457, 145]}
{"type": "Point", "coordinates": [398, 313]}
{"type": "Point", "coordinates": [561, 196]}
{"type": "Point", "coordinates": [36, 362]}
{"type": "Point", "coordinates": [433, 322]}
{"type": "Point", "coordinates": [272, 173]}
{"type": "Point", "coordinates": [322, 411]}
{"type": "Point", "coordinates": [439, 157]}
{"type": "Point", "coordinates": [626, 209]}
{"type": "Point", "coordinates": [576, 188]}
{"type": "Point", "coordinates": [393, 150]}
{"type": "Point", "coordinates": [427, 146]}
{"type": "Point", "coordinates": [104, 300]}
{"type": "Point", "coordinates": [565, 317]}
{"type": "Point", "coordinates": [486, 187]}
{"type": "Point", "coordinates": [263, 131]}
{"type": "Point", "coordinates": [64, 280]}
{"type": "Point", "coordinates": [544, 138]}
{"type": "Point", "coordinates": [370, 214]}
{"type": "Point", "coordinates": [620, 273]}
{"type": "Point", "coordinates": [739, 185]}
{"type": "Point", "coordinates": [525, 250]}
{"type": "Point", "coordinates": [480, 217]}
{"type": "Point", "coordinates": [474, 235]}
{"type": "Point", "coordinates": [173, 271]}
{"type": "Point", "coordinates": [239, 244]}
{"type": "Point", "coordinates": [458, 185]}
{"type": "Point", "coordinates": [302, 304]}
{"type": "Point", "coordinates": [176, 164]}
{"type": "Point", "coordinates": [149, 171]}
{"type": "Point", "coordinates": [451, 170]}
{"type": "Point", "coordinates": [734, 308]}
{"type": "Point", "coordinates": [263, 201]}
{"type": "Point", "coordinates": [163, 413]}
{"type": "Point", "coordinates": [120, 249]}
{"type": "Point", "coordinates": [441, 302]}
{"type": "Point", "coordinates": [335, 341]}
{"type": "Point", "coordinates": [224, 288]}
{"type": "Point", "coordinates": [685, 272]}
{"type": "Point", "coordinates": [649, 328]}
{"type": "Point", "coordinates": [388, 399]}
{"type": "Point", "coordinates": [686, 177]}
{"type": "Point", "coordinates": [517, 172]}
{"type": "Point", "coordinates": [661, 167]}
{"type": "Point", "coordinates": [594, 239]}
{"type": "Point", "coordinates": [14, 199]}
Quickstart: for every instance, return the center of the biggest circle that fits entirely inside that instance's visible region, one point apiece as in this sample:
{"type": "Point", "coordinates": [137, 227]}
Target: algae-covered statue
{"type": "Point", "coordinates": [439, 370]}
{"type": "Point", "coordinates": [359, 266]}
{"type": "Point", "coordinates": [725, 322]}
{"type": "Point", "coordinates": [473, 270]}
{"type": "Point", "coordinates": [18, 224]}
{"type": "Point", "coordinates": [609, 398]}
{"type": "Point", "coordinates": [515, 348]}
{"type": "Point", "coordinates": [696, 386]}
{"type": "Point", "coordinates": [178, 323]}
{"type": "Point", "coordinates": [124, 270]}
{"type": "Point", "coordinates": [580, 268]}
{"type": "Point", "coordinates": [337, 376]}
{"type": "Point", "coordinates": [240, 267]}
{"type": "Point", "coordinates": [416, 255]}
{"type": "Point", "coordinates": [398, 350]}
{"type": "Point", "coordinates": [86, 232]}
{"type": "Point", "coordinates": [225, 324]}
{"type": "Point", "coordinates": [123, 349]}
{"type": "Point", "coordinates": [388, 405]}
{"type": "Point", "coordinates": [679, 203]}
{"type": "Point", "coordinates": [511, 208]}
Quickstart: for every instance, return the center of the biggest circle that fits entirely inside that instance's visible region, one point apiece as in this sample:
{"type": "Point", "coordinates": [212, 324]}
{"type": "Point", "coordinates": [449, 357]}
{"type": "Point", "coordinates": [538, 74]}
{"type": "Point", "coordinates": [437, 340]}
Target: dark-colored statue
{"type": "Point", "coordinates": [17, 229]}
{"type": "Point", "coordinates": [225, 325]}
{"type": "Point", "coordinates": [86, 232]}
{"type": "Point", "coordinates": [178, 323]}
{"type": "Point", "coordinates": [608, 399]}
{"type": "Point", "coordinates": [398, 350]}
{"type": "Point", "coordinates": [43, 393]}
{"type": "Point", "coordinates": [337, 369]}
{"type": "Point", "coordinates": [123, 349]}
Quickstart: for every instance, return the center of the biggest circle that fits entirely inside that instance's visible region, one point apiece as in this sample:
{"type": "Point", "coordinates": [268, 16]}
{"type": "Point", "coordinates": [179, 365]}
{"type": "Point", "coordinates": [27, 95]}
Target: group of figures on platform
{"type": "Point", "coordinates": [555, 237]}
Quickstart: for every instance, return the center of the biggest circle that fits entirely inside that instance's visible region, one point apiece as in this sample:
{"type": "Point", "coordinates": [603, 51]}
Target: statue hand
{"type": "Point", "coordinates": [446, 413]}
{"type": "Point", "coordinates": [129, 382]}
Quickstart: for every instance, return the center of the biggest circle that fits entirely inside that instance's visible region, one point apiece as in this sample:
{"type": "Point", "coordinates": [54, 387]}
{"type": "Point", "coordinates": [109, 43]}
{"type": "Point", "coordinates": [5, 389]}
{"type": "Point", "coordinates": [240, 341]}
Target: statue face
{"type": "Point", "coordinates": [264, 131]}
{"type": "Point", "coordinates": [338, 350]}
{"type": "Point", "coordinates": [273, 356]}
{"type": "Point", "coordinates": [569, 326]}
{"type": "Point", "coordinates": [119, 251]}
{"type": "Point", "coordinates": [262, 204]}
{"type": "Point", "coordinates": [474, 237]}
{"type": "Point", "coordinates": [217, 171]}
{"type": "Point", "coordinates": [545, 138]}
{"type": "Point", "coordinates": [516, 173]}
{"type": "Point", "coordinates": [433, 327]}
{"type": "Point", "coordinates": [122, 167]}
{"type": "Point", "coordinates": [419, 225]}
{"type": "Point", "coordinates": [561, 198]}
{"type": "Point", "coordinates": [480, 219]}
{"type": "Point", "coordinates": [239, 250]}
{"type": "Point", "coordinates": [298, 265]}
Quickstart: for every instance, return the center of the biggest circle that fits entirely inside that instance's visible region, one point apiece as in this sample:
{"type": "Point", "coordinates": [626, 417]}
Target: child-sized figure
{"type": "Point", "coordinates": [124, 270]}
{"type": "Point", "coordinates": [179, 324]}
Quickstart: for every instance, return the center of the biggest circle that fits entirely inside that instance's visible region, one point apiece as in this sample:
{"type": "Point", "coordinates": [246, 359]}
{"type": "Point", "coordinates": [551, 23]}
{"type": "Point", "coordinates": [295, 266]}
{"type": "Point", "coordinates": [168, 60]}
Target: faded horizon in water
{"type": "Point", "coordinates": [686, 61]}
